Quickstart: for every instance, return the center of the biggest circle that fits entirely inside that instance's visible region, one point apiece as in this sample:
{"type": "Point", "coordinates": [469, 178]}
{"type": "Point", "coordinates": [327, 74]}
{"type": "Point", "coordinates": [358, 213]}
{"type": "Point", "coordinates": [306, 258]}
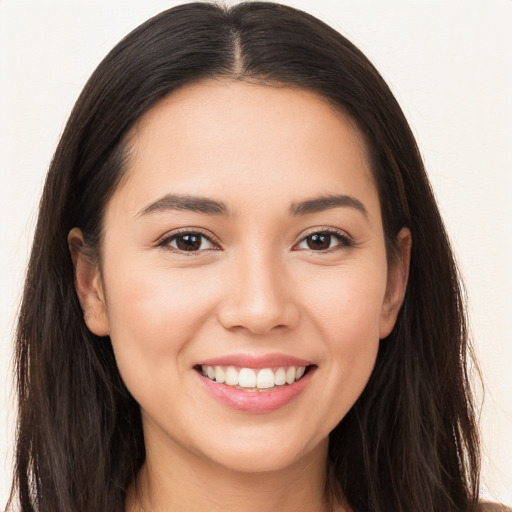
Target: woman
{"type": "Point", "coordinates": [241, 293]}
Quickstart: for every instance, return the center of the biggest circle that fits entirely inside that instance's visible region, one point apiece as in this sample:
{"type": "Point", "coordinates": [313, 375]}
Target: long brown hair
{"type": "Point", "coordinates": [410, 441]}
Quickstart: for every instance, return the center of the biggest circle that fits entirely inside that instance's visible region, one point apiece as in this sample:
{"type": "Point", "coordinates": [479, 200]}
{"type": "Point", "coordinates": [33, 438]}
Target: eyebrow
{"type": "Point", "coordinates": [212, 207]}
{"type": "Point", "coordinates": [186, 203]}
{"type": "Point", "coordinates": [328, 202]}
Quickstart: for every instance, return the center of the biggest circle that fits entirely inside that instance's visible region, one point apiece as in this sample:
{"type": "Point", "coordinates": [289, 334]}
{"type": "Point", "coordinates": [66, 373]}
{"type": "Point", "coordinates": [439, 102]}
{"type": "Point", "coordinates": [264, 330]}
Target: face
{"type": "Point", "coordinates": [245, 243]}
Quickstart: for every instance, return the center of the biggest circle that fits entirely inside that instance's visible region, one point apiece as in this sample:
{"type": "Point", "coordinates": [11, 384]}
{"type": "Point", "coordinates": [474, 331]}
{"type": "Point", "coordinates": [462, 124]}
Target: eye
{"type": "Point", "coordinates": [188, 241]}
{"type": "Point", "coordinates": [324, 240]}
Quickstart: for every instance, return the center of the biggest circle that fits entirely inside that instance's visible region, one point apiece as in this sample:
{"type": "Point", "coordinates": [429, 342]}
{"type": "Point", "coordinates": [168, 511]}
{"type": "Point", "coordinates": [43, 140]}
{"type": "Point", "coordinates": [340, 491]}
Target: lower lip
{"type": "Point", "coordinates": [256, 402]}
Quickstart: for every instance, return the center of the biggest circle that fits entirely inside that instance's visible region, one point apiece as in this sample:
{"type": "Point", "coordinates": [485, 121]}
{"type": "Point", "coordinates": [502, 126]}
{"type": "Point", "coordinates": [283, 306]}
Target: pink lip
{"type": "Point", "coordinates": [255, 402]}
{"type": "Point", "coordinates": [256, 362]}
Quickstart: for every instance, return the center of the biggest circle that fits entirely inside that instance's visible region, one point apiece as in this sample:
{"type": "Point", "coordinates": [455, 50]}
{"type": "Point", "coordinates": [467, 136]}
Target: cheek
{"type": "Point", "coordinates": [153, 313]}
{"type": "Point", "coordinates": [345, 309]}
{"type": "Point", "coordinates": [346, 303]}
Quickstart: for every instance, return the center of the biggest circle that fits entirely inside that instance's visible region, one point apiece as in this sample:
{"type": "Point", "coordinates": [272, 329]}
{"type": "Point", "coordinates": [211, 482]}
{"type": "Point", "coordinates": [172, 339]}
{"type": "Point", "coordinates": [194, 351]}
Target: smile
{"type": "Point", "coordinates": [254, 379]}
{"type": "Point", "coordinates": [255, 384]}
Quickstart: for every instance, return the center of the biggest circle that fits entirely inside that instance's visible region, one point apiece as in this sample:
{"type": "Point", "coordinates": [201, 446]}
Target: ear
{"type": "Point", "coordinates": [88, 285]}
{"type": "Point", "coordinates": [398, 273]}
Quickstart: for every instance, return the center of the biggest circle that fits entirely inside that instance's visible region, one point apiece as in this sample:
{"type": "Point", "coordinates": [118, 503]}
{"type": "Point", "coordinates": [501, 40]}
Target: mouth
{"type": "Point", "coordinates": [254, 379]}
{"type": "Point", "coordinates": [256, 385]}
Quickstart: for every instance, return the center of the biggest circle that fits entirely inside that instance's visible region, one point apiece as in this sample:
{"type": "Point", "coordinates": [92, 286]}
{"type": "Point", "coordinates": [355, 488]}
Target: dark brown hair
{"type": "Point", "coordinates": [408, 444]}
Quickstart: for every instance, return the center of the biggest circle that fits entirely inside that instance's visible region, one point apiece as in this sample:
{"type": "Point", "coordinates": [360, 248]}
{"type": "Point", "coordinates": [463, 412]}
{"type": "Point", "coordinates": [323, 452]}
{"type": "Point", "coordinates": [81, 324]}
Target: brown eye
{"type": "Point", "coordinates": [190, 242]}
{"type": "Point", "coordinates": [319, 241]}
{"type": "Point", "coordinates": [324, 241]}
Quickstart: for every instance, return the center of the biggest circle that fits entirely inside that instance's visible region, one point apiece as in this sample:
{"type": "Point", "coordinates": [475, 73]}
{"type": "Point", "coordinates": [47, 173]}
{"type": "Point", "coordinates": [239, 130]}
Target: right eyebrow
{"type": "Point", "coordinates": [186, 203]}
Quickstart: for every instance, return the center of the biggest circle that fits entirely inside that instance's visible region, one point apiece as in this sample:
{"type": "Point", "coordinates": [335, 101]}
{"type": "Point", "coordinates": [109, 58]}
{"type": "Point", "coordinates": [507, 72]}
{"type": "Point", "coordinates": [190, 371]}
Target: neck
{"type": "Point", "coordinates": [187, 482]}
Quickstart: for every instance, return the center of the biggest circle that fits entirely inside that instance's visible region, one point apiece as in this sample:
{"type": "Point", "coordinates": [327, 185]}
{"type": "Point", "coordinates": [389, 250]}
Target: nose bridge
{"type": "Point", "coordinates": [257, 296]}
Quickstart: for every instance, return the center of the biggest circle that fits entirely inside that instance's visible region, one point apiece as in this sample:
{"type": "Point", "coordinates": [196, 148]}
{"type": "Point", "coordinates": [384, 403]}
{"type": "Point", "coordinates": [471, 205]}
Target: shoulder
{"type": "Point", "coordinates": [486, 506]}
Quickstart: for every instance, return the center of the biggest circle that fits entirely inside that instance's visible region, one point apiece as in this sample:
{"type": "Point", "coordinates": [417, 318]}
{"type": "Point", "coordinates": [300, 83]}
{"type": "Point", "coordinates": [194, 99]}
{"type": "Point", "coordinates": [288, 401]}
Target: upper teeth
{"type": "Point", "coordinates": [263, 378]}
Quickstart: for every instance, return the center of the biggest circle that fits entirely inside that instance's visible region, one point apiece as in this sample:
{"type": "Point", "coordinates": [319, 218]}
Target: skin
{"type": "Point", "coordinates": [257, 288]}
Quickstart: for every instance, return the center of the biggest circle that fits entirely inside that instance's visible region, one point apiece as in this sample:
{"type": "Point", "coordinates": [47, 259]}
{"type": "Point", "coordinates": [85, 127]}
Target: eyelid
{"type": "Point", "coordinates": [164, 240]}
{"type": "Point", "coordinates": [345, 238]}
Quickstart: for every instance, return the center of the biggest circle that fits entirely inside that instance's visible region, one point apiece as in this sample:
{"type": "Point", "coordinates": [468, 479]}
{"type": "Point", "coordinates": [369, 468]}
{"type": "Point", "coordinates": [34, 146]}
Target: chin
{"type": "Point", "coordinates": [265, 456]}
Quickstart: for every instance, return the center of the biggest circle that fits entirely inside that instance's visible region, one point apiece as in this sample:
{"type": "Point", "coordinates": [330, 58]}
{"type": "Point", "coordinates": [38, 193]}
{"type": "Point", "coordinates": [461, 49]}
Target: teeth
{"type": "Point", "coordinates": [231, 376]}
{"type": "Point", "coordinates": [247, 378]}
{"type": "Point", "coordinates": [291, 373]}
{"type": "Point", "coordinates": [280, 377]}
{"type": "Point", "coordinates": [264, 378]}
{"type": "Point", "coordinates": [220, 375]}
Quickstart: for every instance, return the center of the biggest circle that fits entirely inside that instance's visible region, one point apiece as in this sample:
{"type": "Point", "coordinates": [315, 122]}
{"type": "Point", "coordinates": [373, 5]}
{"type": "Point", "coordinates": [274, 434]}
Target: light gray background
{"type": "Point", "coordinates": [447, 61]}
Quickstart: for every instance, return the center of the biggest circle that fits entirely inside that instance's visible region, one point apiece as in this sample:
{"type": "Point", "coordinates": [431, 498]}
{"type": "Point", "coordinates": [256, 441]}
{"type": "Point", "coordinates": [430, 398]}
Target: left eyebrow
{"type": "Point", "coordinates": [319, 204]}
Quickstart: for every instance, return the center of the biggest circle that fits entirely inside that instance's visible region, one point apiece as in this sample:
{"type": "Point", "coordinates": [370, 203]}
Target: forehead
{"type": "Point", "coordinates": [218, 136]}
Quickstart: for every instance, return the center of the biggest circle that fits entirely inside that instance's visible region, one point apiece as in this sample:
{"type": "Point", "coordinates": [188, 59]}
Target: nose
{"type": "Point", "coordinates": [257, 296]}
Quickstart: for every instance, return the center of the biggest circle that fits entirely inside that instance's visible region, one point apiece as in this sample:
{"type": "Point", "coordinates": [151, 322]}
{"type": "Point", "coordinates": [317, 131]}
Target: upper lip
{"type": "Point", "coordinates": [252, 361]}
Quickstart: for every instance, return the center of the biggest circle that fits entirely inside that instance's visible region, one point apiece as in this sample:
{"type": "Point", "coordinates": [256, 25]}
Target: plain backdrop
{"type": "Point", "coordinates": [449, 62]}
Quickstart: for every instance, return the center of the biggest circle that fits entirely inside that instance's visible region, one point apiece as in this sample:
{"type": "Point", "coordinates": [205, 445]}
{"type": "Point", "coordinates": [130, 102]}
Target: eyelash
{"type": "Point", "coordinates": [166, 241]}
{"type": "Point", "coordinates": [344, 241]}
